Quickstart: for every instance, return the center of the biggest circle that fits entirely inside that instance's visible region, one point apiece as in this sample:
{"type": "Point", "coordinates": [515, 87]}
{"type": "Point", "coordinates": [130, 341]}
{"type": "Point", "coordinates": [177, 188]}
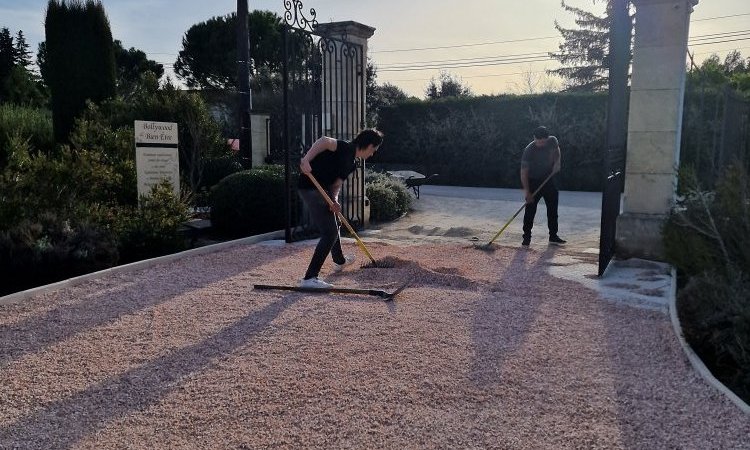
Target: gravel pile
{"type": "Point", "coordinates": [483, 350]}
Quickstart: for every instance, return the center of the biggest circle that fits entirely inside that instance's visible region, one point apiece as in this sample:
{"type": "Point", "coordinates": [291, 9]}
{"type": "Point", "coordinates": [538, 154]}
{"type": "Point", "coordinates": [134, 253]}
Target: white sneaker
{"type": "Point", "coordinates": [349, 260]}
{"type": "Point", "coordinates": [314, 283]}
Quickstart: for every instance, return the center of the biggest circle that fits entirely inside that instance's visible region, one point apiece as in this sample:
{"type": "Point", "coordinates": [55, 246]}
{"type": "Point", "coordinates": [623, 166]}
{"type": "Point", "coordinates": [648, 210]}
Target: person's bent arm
{"type": "Point", "coordinates": [556, 166]}
{"type": "Point", "coordinates": [525, 183]}
{"type": "Point", "coordinates": [321, 145]}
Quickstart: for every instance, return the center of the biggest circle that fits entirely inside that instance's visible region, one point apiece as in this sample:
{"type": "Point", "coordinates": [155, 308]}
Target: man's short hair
{"type": "Point", "coordinates": [541, 133]}
{"type": "Point", "coordinates": [367, 137]}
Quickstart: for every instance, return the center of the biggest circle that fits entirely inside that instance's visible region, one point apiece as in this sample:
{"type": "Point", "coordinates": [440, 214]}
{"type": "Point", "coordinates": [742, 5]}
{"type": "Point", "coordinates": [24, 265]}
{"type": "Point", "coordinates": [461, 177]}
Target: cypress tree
{"type": "Point", "coordinates": [7, 53]}
{"type": "Point", "coordinates": [79, 58]}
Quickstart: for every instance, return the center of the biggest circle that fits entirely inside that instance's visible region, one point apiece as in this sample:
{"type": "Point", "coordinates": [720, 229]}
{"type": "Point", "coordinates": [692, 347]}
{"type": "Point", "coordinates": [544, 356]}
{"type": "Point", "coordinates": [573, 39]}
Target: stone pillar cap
{"type": "Point", "coordinates": [348, 27]}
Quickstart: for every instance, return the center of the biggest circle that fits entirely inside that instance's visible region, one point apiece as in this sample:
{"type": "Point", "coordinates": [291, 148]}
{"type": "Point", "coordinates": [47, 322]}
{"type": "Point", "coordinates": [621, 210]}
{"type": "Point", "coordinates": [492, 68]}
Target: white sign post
{"type": "Point", "coordinates": [156, 155]}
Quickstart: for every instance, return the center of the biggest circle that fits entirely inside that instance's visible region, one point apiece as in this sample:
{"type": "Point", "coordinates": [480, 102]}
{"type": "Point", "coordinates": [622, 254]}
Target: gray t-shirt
{"type": "Point", "coordinates": [540, 160]}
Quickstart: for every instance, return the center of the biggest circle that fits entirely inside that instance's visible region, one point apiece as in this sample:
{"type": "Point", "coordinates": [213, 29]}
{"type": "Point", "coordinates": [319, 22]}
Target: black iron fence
{"type": "Point", "coordinates": [323, 95]}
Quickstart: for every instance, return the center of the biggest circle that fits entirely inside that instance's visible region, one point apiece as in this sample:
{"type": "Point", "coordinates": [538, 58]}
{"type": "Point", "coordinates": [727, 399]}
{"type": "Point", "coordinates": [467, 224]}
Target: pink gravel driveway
{"type": "Point", "coordinates": [483, 350]}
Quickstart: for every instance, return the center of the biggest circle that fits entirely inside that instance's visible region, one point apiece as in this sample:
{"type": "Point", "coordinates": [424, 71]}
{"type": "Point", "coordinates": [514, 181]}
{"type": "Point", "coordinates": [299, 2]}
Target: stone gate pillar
{"type": "Point", "coordinates": [654, 124]}
{"type": "Point", "coordinates": [343, 97]}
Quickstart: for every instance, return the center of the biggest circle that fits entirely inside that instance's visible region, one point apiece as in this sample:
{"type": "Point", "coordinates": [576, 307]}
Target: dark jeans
{"type": "Point", "coordinates": [325, 220]}
{"type": "Point", "coordinates": [550, 194]}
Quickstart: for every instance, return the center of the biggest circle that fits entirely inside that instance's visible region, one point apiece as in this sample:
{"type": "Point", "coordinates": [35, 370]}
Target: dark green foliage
{"type": "Point", "coordinates": [710, 230]}
{"type": "Point", "coordinates": [131, 65]}
{"type": "Point", "coordinates": [584, 53]}
{"type": "Point", "coordinates": [216, 169]}
{"type": "Point", "coordinates": [389, 198]}
{"type": "Point", "coordinates": [378, 96]}
{"type": "Point", "coordinates": [31, 125]}
{"type": "Point", "coordinates": [199, 135]}
{"type": "Point", "coordinates": [21, 88]}
{"type": "Point", "coordinates": [48, 249]}
{"type": "Point", "coordinates": [22, 55]}
{"type": "Point", "coordinates": [208, 58]}
{"type": "Point", "coordinates": [151, 229]}
{"type": "Point", "coordinates": [479, 141]}
{"type": "Point", "coordinates": [714, 310]}
{"type": "Point", "coordinates": [708, 239]}
{"type": "Point", "coordinates": [249, 202]}
{"type": "Point", "coordinates": [7, 55]}
{"type": "Point", "coordinates": [446, 86]}
{"type": "Point", "coordinates": [71, 185]}
{"type": "Point", "coordinates": [79, 59]}
{"type": "Point", "coordinates": [18, 84]}
{"type": "Point", "coordinates": [714, 74]}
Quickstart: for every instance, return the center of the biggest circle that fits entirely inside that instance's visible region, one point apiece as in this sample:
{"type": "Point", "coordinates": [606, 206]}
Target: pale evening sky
{"type": "Point", "coordinates": [157, 27]}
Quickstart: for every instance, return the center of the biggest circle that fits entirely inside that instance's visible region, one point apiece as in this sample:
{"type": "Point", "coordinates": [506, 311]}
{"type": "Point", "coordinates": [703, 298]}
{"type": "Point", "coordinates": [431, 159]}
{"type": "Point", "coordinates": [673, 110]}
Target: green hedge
{"type": "Point", "coordinates": [478, 141]}
{"type": "Point", "coordinates": [249, 202]}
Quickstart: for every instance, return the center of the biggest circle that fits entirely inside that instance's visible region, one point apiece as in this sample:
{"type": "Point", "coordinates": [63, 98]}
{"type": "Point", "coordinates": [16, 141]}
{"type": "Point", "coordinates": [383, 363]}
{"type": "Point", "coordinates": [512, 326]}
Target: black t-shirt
{"type": "Point", "coordinates": [540, 160]}
{"type": "Point", "coordinates": [328, 166]}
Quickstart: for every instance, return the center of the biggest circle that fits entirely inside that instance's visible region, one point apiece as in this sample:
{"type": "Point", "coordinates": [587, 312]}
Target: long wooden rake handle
{"type": "Point", "coordinates": [519, 211]}
{"type": "Point", "coordinates": [341, 217]}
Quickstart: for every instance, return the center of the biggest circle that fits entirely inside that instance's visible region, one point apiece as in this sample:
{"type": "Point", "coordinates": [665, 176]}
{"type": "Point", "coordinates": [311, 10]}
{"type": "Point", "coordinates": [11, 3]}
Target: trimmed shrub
{"type": "Point", "coordinates": [216, 169]}
{"type": "Point", "coordinates": [389, 198]}
{"type": "Point", "coordinates": [249, 202]}
{"type": "Point", "coordinates": [152, 229]}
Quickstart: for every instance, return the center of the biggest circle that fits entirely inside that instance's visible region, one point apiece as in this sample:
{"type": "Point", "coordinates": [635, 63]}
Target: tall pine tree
{"type": "Point", "coordinates": [22, 55]}
{"type": "Point", "coordinates": [584, 52]}
{"type": "Point", "coordinates": [79, 59]}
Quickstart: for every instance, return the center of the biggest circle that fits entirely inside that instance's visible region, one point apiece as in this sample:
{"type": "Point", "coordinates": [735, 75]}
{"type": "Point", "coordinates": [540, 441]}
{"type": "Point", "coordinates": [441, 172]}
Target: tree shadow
{"type": "Point", "coordinates": [61, 424]}
{"type": "Point", "coordinates": [62, 322]}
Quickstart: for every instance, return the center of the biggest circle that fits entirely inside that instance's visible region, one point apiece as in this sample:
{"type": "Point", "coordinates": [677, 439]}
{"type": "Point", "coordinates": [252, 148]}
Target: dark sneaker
{"type": "Point", "coordinates": [526, 241]}
{"type": "Point", "coordinates": [556, 240]}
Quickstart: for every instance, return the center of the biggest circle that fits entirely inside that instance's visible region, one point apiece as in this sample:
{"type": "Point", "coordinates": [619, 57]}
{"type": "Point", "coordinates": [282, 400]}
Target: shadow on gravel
{"type": "Point", "coordinates": [499, 328]}
{"type": "Point", "coordinates": [36, 333]}
{"type": "Point", "coordinates": [63, 423]}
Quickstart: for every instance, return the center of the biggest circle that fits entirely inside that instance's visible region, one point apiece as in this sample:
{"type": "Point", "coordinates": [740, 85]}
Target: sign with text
{"type": "Point", "coordinates": [155, 164]}
{"type": "Point", "coordinates": [156, 155]}
{"type": "Point", "coordinates": [164, 133]}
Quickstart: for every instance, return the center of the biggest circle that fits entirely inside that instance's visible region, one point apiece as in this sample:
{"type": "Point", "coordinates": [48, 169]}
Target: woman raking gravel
{"type": "Point", "coordinates": [330, 161]}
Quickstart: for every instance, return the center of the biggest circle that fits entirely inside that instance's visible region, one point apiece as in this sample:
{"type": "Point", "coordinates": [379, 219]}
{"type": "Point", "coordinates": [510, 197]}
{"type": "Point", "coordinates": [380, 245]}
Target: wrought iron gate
{"type": "Point", "coordinates": [613, 186]}
{"type": "Point", "coordinates": [323, 81]}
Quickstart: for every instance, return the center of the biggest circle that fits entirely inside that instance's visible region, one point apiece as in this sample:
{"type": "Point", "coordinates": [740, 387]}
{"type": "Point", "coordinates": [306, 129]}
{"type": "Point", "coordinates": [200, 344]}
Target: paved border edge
{"type": "Point", "coordinates": [138, 265]}
{"type": "Point", "coordinates": [693, 357]}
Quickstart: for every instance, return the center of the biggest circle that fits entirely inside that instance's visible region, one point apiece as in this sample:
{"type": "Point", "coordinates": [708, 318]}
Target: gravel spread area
{"type": "Point", "coordinates": [482, 350]}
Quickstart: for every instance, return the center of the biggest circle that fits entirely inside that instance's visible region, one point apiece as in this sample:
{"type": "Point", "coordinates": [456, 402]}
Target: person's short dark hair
{"type": "Point", "coordinates": [367, 137]}
{"type": "Point", "coordinates": [541, 133]}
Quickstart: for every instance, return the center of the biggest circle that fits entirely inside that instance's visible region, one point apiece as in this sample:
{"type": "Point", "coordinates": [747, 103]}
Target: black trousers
{"type": "Point", "coordinates": [325, 220]}
{"type": "Point", "coordinates": [551, 195]}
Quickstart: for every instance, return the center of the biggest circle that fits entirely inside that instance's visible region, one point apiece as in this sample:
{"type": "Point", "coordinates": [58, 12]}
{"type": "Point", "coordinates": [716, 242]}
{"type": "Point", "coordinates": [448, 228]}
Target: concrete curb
{"type": "Point", "coordinates": [693, 357]}
{"type": "Point", "coordinates": [138, 265]}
